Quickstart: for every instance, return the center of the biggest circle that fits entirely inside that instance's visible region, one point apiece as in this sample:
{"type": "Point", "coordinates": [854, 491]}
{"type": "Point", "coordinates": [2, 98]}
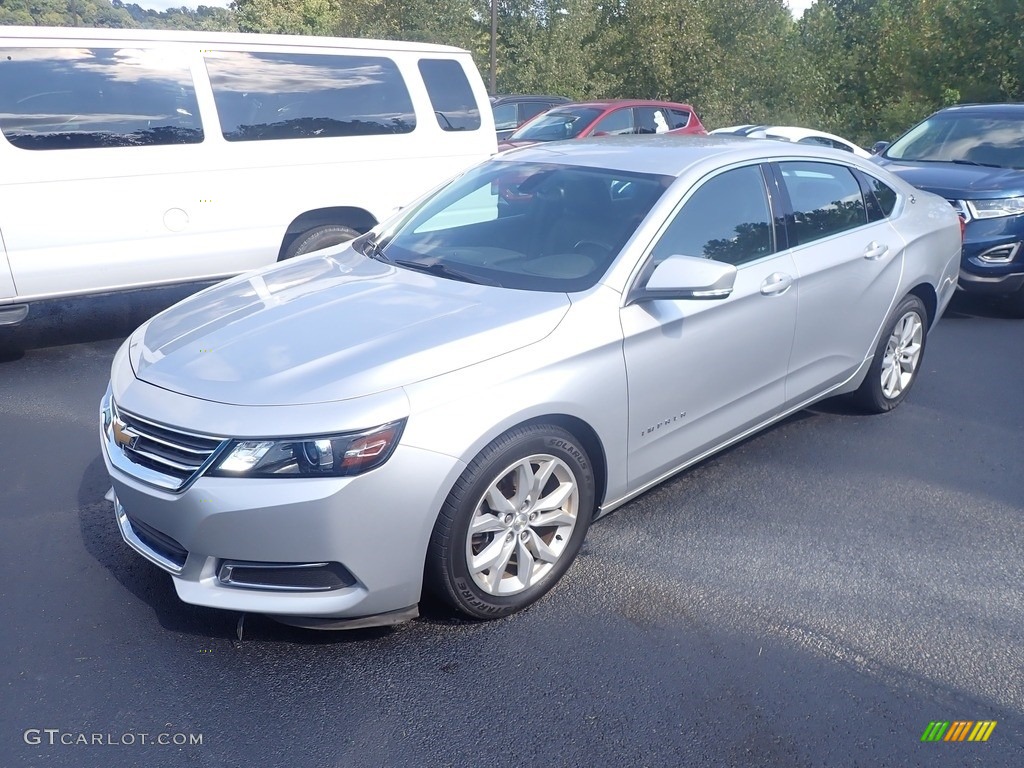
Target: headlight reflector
{"type": "Point", "coordinates": [991, 209]}
{"type": "Point", "coordinates": [328, 456]}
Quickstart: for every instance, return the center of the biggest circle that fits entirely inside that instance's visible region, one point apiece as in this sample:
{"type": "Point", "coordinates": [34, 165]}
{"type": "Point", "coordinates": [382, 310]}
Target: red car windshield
{"type": "Point", "coordinates": [557, 124]}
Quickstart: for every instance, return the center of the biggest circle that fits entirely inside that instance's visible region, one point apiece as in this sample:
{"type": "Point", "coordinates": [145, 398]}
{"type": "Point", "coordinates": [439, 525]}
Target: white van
{"type": "Point", "coordinates": [132, 158]}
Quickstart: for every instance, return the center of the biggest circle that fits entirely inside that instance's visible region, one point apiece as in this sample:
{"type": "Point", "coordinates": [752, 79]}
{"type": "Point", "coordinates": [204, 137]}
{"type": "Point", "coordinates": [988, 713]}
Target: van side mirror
{"type": "Point", "coordinates": [686, 277]}
{"type": "Point", "coordinates": [879, 147]}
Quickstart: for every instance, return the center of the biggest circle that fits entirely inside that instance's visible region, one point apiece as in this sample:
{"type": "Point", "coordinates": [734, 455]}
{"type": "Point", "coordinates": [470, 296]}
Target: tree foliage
{"type": "Point", "coordinates": [866, 69]}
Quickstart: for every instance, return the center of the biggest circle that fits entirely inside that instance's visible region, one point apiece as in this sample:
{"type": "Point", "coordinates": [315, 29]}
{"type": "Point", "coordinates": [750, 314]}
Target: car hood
{"type": "Point", "coordinates": [332, 327]}
{"type": "Point", "coordinates": [503, 145]}
{"type": "Point", "coordinates": [955, 181]}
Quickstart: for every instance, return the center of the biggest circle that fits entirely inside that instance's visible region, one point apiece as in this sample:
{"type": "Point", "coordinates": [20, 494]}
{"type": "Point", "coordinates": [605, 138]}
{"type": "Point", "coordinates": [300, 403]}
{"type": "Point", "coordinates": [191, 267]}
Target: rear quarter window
{"type": "Point", "coordinates": [74, 98]}
{"type": "Point", "coordinates": [450, 94]}
{"type": "Point", "coordinates": [266, 96]}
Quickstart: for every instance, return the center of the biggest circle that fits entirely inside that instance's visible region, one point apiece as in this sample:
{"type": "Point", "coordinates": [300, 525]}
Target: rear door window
{"type": "Point", "coordinates": [74, 98]}
{"type": "Point", "coordinates": [450, 94]}
{"type": "Point", "coordinates": [265, 96]}
{"type": "Point", "coordinates": [826, 199]}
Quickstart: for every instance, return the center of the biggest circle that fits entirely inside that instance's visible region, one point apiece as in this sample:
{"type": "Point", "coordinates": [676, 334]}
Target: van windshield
{"type": "Point", "coordinates": [531, 226]}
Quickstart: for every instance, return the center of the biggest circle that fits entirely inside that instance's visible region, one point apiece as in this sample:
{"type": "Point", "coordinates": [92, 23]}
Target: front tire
{"type": "Point", "coordinates": [513, 523]}
{"type": "Point", "coordinates": [897, 358]}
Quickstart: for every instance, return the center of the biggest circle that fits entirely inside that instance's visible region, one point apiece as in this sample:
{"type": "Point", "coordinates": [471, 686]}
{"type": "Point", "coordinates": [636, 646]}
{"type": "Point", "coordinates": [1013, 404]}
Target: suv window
{"type": "Point", "coordinates": [679, 118]}
{"type": "Point", "coordinates": [71, 98]}
{"type": "Point", "coordinates": [618, 122]}
{"type": "Point", "coordinates": [505, 117]}
{"type": "Point", "coordinates": [263, 96]}
{"type": "Point", "coordinates": [528, 109]}
{"type": "Point", "coordinates": [727, 219]}
{"type": "Point", "coordinates": [826, 199]}
{"type": "Point", "coordinates": [450, 94]}
{"type": "Point", "coordinates": [653, 120]}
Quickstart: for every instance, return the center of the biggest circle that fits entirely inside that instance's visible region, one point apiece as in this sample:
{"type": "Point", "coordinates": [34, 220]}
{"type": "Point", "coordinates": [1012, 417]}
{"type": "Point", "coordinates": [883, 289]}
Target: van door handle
{"type": "Point", "coordinates": [776, 283]}
{"type": "Point", "coordinates": [875, 251]}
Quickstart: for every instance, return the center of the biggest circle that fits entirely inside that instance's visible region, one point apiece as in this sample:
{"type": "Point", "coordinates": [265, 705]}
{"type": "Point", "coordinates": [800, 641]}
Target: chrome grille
{"type": "Point", "coordinates": [171, 453]}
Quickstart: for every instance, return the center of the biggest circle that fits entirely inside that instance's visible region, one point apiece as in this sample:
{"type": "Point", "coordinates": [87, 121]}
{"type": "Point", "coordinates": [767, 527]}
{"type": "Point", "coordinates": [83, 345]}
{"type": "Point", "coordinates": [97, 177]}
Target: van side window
{"type": "Point", "coordinates": [450, 95]}
{"type": "Point", "coordinates": [74, 98]}
{"type": "Point", "coordinates": [264, 96]}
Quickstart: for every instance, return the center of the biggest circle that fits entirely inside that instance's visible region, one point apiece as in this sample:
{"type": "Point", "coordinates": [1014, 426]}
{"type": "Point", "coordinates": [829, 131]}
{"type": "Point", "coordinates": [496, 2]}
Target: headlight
{"type": "Point", "coordinates": [991, 209]}
{"type": "Point", "coordinates": [327, 456]}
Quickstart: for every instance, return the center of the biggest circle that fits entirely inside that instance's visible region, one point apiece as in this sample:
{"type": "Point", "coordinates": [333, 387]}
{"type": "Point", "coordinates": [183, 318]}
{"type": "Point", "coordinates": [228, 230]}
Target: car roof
{"type": "Point", "coordinates": [625, 103]}
{"type": "Point", "coordinates": [248, 40]}
{"type": "Point", "coordinates": [506, 97]}
{"type": "Point", "coordinates": [666, 154]}
{"type": "Point", "coordinates": [1005, 108]}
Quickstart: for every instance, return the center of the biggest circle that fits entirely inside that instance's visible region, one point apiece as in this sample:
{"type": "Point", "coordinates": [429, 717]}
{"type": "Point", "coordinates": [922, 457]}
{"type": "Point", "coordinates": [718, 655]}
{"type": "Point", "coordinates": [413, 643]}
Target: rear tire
{"type": "Point", "coordinates": [897, 358]}
{"type": "Point", "coordinates": [319, 237]}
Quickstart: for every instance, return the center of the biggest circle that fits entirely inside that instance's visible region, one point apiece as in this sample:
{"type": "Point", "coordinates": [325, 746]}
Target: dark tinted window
{"type": "Point", "coordinates": [69, 98]}
{"type": "Point", "coordinates": [826, 199]}
{"type": "Point", "coordinates": [678, 118]}
{"type": "Point", "coordinates": [879, 197]}
{"type": "Point", "coordinates": [450, 94]}
{"type": "Point", "coordinates": [295, 95]}
{"type": "Point", "coordinates": [727, 219]}
{"type": "Point", "coordinates": [654, 120]}
{"type": "Point", "coordinates": [617, 122]}
{"type": "Point", "coordinates": [530, 108]}
{"type": "Point", "coordinates": [505, 117]}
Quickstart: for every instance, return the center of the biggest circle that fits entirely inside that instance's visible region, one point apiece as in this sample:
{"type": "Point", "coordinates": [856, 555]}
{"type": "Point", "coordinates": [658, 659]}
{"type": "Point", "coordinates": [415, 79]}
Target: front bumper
{"type": "Point", "coordinates": [992, 285]}
{"type": "Point", "coordinates": [370, 530]}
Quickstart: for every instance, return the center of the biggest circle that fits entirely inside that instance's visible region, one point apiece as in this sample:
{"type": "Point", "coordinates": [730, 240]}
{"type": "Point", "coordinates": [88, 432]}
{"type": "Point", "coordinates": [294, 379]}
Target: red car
{"type": "Point", "coordinates": [606, 118]}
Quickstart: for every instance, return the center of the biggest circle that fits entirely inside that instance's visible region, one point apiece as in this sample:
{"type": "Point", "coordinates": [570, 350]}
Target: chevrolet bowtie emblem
{"type": "Point", "coordinates": [123, 435]}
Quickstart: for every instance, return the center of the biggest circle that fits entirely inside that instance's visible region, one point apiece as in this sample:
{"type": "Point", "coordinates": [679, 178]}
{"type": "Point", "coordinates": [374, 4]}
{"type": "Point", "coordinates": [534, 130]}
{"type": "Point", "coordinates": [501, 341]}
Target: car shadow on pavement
{"type": "Point", "coordinates": [80, 320]}
{"type": "Point", "coordinates": [153, 587]}
{"type": "Point", "coordinates": [965, 306]}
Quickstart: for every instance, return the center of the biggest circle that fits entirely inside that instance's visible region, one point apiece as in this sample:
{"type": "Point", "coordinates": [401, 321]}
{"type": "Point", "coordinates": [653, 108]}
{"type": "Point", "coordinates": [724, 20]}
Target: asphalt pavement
{"type": "Point", "coordinates": [816, 596]}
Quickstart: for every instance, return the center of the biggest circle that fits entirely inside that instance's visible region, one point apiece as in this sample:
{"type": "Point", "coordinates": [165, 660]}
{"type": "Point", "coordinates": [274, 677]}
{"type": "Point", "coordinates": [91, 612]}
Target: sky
{"type": "Point", "coordinates": [796, 6]}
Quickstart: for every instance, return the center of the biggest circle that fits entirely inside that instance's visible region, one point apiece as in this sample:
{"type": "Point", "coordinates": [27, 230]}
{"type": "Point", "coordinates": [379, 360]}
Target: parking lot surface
{"type": "Point", "coordinates": [816, 596]}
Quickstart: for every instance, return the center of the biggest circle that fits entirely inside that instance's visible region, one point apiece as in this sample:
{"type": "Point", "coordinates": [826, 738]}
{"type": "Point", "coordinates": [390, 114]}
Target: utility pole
{"type": "Point", "coordinates": [494, 42]}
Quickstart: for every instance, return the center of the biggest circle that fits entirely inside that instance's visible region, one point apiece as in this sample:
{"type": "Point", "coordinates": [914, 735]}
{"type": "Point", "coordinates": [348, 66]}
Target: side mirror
{"type": "Point", "coordinates": [879, 147]}
{"type": "Point", "coordinates": [687, 277]}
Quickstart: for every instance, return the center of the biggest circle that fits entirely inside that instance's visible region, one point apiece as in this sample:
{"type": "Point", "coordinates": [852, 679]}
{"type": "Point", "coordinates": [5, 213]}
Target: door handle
{"type": "Point", "coordinates": [776, 283]}
{"type": "Point", "coordinates": [875, 251]}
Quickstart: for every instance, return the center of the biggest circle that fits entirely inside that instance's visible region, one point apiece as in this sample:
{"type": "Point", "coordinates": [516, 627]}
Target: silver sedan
{"type": "Point", "coordinates": [451, 400]}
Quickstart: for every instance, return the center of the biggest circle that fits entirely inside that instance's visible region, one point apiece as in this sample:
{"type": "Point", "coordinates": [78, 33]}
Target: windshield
{"type": "Point", "coordinates": [557, 124]}
{"type": "Point", "coordinates": [996, 140]}
{"type": "Point", "coordinates": [530, 226]}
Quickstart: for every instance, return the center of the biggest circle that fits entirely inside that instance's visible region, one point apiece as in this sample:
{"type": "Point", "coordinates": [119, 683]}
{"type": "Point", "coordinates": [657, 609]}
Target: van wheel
{"type": "Point", "coordinates": [513, 523]}
{"type": "Point", "coordinates": [319, 237]}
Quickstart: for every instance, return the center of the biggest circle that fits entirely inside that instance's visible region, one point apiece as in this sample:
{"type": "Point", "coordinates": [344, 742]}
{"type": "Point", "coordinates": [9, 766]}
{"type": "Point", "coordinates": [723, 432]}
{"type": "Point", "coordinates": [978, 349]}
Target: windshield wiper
{"type": "Point", "coordinates": [443, 270]}
{"type": "Point", "coordinates": [372, 248]}
{"type": "Point", "coordinates": [974, 162]}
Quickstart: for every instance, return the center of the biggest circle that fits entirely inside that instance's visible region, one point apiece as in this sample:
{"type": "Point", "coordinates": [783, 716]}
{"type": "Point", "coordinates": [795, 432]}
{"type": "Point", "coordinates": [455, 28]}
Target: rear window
{"type": "Point", "coordinates": [74, 98]}
{"type": "Point", "coordinates": [450, 94]}
{"type": "Point", "coordinates": [266, 96]}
